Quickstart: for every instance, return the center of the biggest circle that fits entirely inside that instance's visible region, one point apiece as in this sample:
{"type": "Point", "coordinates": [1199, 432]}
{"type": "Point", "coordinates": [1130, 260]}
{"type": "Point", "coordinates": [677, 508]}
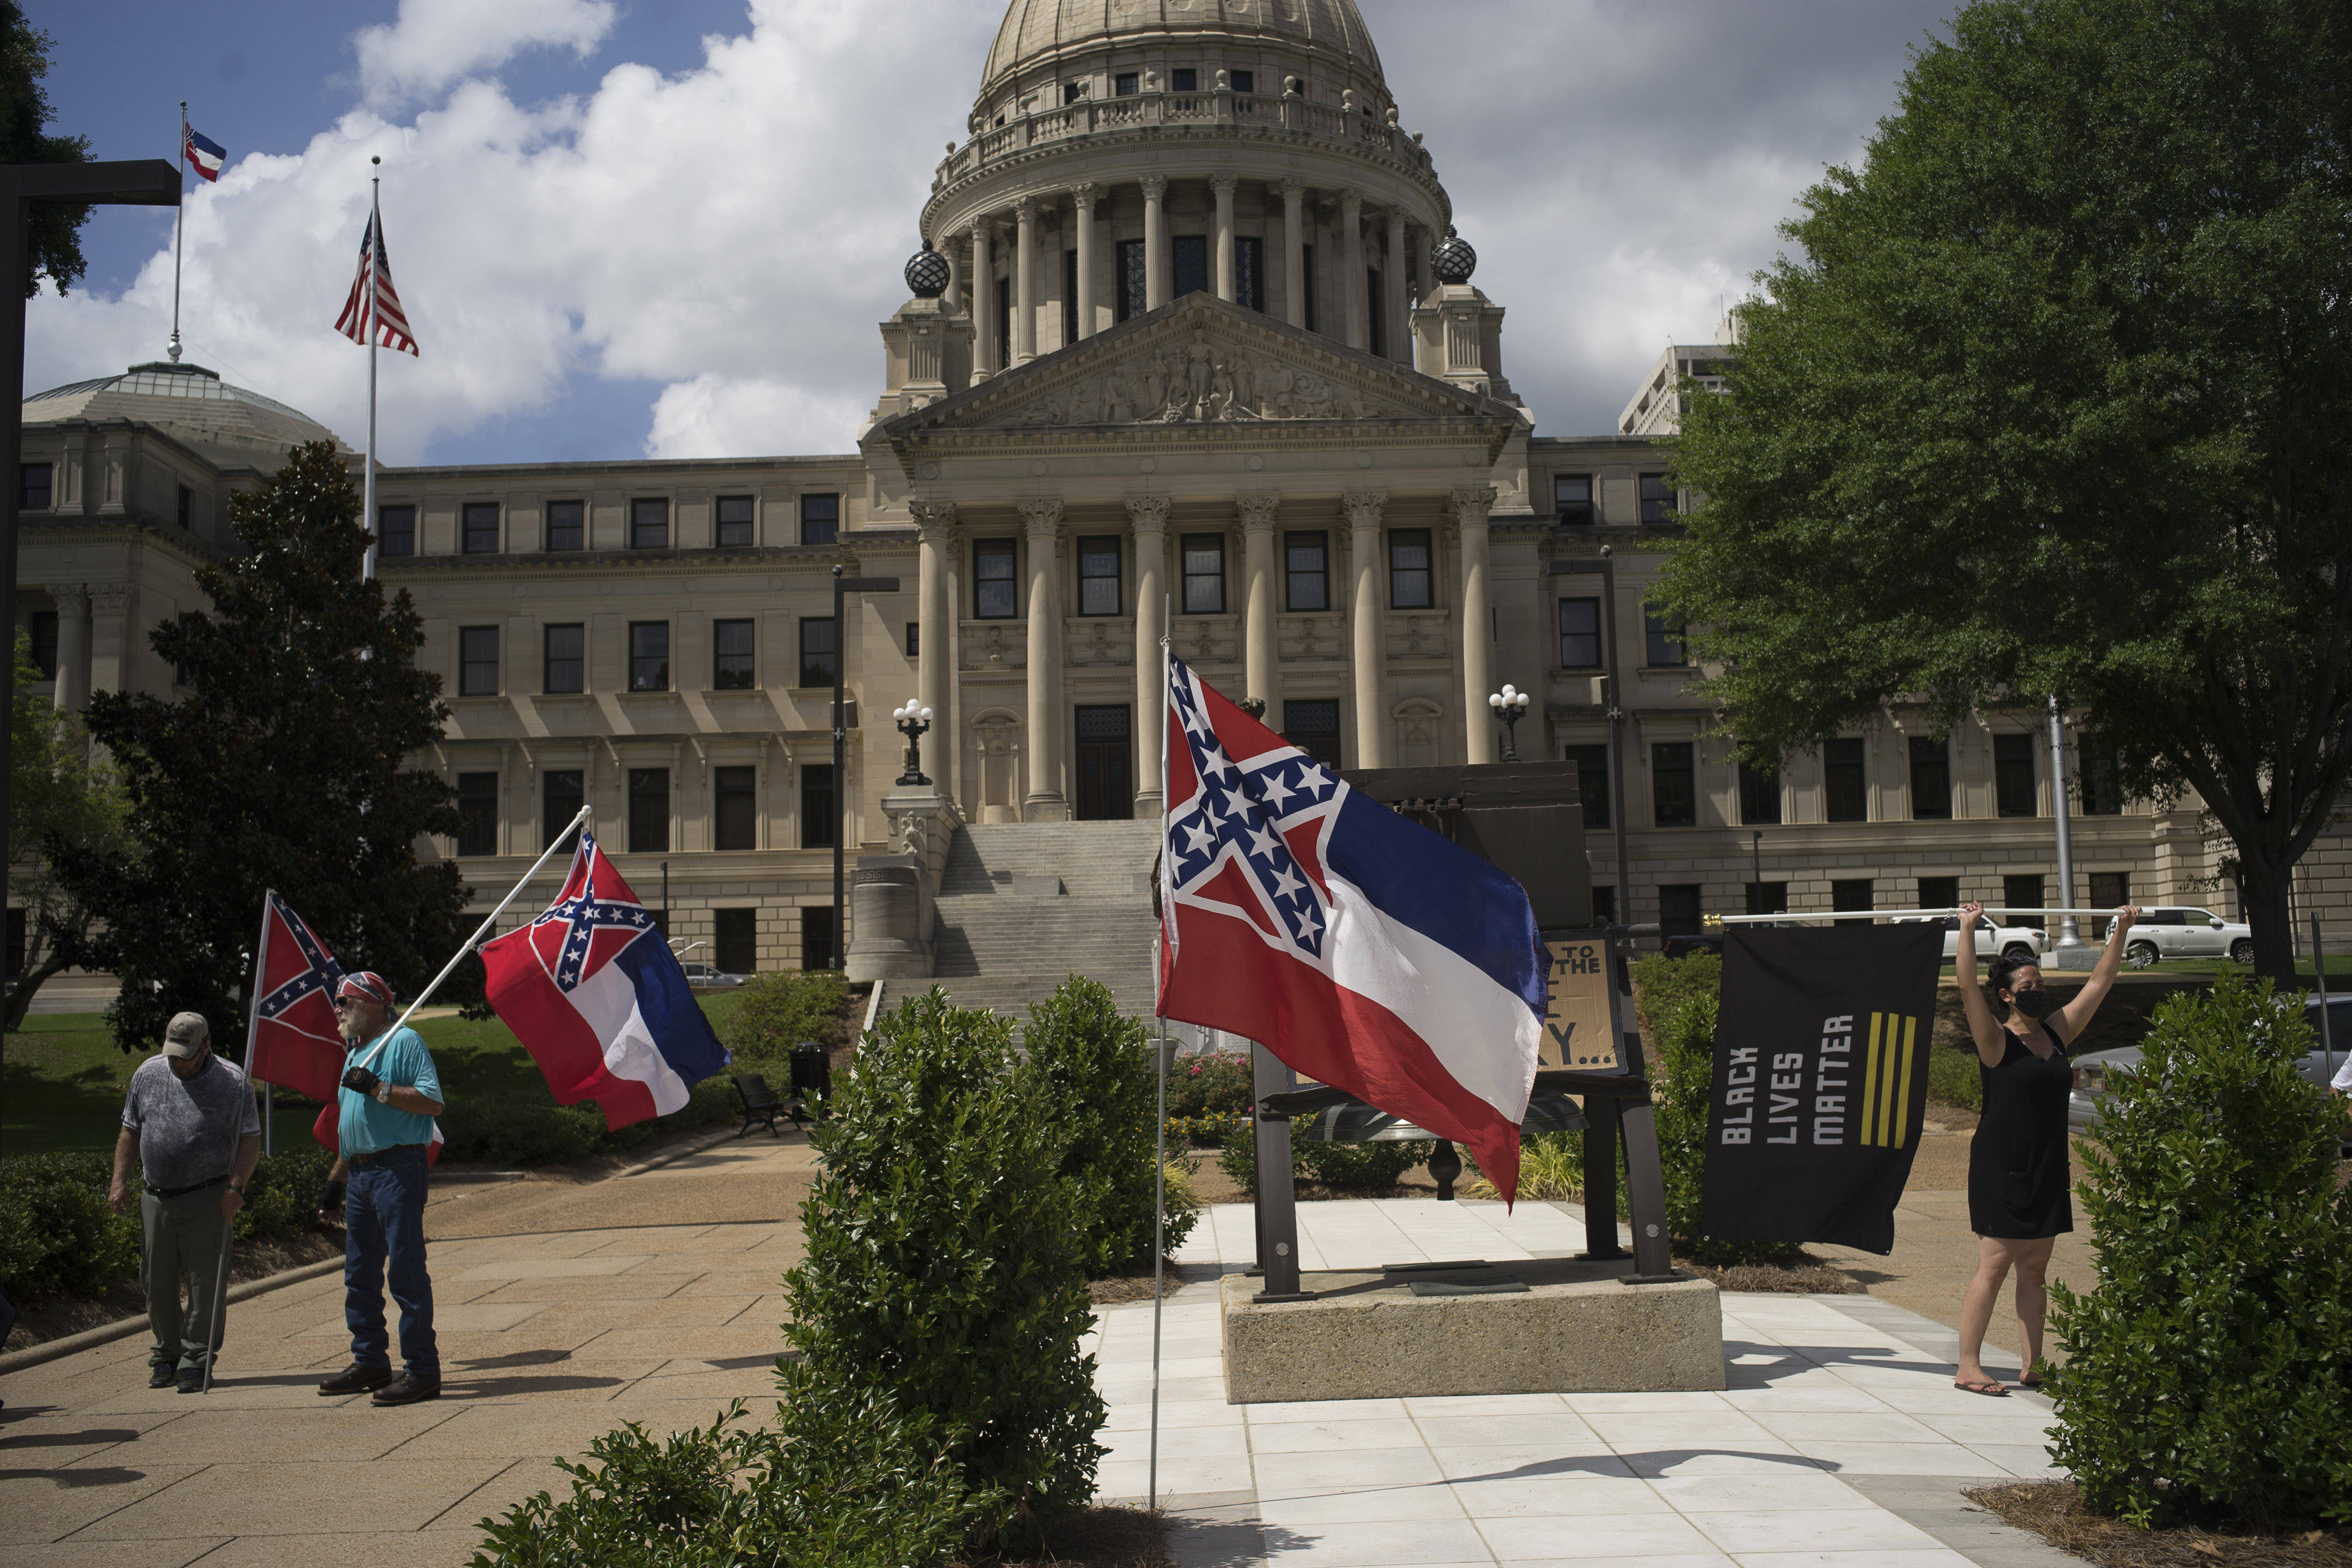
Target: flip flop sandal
{"type": "Point", "coordinates": [1989, 1388]}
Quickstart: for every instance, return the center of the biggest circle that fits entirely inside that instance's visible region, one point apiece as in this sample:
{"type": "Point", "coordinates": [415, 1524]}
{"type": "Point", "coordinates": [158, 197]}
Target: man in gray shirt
{"type": "Point", "coordinates": [189, 1118]}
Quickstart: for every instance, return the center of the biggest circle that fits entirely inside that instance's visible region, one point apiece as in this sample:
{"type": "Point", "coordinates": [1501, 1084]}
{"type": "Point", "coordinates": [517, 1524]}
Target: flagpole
{"type": "Point", "coordinates": [1159, 1052]}
{"type": "Point", "coordinates": [179, 235]}
{"type": "Point", "coordinates": [367, 341]}
{"type": "Point", "coordinates": [253, 1088]}
{"type": "Point", "coordinates": [253, 1015]}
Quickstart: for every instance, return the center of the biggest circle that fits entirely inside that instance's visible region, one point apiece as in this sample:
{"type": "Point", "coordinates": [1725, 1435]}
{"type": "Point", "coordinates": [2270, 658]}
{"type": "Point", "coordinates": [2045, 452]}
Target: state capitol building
{"type": "Point", "coordinates": [1193, 350]}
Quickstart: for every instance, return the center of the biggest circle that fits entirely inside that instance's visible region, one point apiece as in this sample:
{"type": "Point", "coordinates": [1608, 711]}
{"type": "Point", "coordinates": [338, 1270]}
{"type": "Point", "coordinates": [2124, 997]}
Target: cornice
{"type": "Point", "coordinates": [188, 547]}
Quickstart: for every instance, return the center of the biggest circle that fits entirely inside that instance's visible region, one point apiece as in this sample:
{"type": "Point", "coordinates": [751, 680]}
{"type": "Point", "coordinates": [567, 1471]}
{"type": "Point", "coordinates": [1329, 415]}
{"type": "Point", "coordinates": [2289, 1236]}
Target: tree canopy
{"type": "Point", "coordinates": [2056, 400]}
{"type": "Point", "coordinates": [53, 239]}
{"type": "Point", "coordinates": [55, 789]}
{"type": "Point", "coordinates": [280, 768]}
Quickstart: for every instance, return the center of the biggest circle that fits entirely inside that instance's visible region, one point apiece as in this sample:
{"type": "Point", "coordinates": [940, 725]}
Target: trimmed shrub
{"type": "Point", "coordinates": [1551, 1167]}
{"type": "Point", "coordinates": [944, 1282]}
{"type": "Point", "coordinates": [783, 1007]}
{"type": "Point", "coordinates": [1097, 1063]}
{"type": "Point", "coordinates": [2209, 1371]}
{"type": "Point", "coordinates": [282, 1197]}
{"type": "Point", "coordinates": [1214, 1083]}
{"type": "Point", "coordinates": [1663, 985]}
{"type": "Point", "coordinates": [514, 1131]}
{"type": "Point", "coordinates": [1348, 1167]}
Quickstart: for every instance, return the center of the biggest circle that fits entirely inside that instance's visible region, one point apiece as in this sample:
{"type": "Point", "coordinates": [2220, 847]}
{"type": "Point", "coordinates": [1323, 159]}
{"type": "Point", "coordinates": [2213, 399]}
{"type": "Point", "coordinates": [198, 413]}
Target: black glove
{"type": "Point", "coordinates": [331, 1198]}
{"type": "Point", "coordinates": [361, 1080]}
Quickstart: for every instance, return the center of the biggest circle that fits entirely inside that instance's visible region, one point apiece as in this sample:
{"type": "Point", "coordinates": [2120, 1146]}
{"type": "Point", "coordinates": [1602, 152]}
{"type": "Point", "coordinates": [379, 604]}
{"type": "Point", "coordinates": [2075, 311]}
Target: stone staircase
{"type": "Point", "coordinates": [1023, 906]}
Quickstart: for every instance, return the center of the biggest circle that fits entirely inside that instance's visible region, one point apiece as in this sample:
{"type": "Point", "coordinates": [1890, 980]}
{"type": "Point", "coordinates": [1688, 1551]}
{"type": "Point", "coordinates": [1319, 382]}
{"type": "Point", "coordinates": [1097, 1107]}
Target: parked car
{"type": "Point", "coordinates": [2021, 942]}
{"type": "Point", "coordinates": [2171, 930]}
{"type": "Point", "coordinates": [708, 975]}
{"type": "Point", "coordinates": [1682, 944]}
{"type": "Point", "coordinates": [2099, 1069]}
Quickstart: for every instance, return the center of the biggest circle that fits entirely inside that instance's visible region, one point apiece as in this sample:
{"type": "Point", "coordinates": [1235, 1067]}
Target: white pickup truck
{"type": "Point", "coordinates": [2002, 942]}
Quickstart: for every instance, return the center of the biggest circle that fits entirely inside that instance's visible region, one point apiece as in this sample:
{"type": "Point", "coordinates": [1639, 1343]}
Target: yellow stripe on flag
{"type": "Point", "coordinates": [1903, 1099]}
{"type": "Point", "coordinates": [1870, 1078]}
{"type": "Point", "coordinates": [1887, 1085]}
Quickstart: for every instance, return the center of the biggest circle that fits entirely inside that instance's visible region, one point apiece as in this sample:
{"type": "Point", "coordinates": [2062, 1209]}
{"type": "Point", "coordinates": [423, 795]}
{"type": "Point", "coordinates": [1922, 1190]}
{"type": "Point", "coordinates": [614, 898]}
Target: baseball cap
{"type": "Point", "coordinates": [186, 1035]}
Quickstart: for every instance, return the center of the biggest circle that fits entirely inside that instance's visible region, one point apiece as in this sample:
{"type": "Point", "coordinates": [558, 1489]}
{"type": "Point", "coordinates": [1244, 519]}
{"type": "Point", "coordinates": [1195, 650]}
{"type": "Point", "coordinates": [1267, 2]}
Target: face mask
{"type": "Point", "coordinates": [2035, 1004]}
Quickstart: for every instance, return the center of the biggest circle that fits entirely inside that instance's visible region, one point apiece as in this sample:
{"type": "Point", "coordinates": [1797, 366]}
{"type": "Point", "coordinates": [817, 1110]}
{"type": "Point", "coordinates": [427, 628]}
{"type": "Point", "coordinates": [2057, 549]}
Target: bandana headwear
{"type": "Point", "coordinates": [368, 985]}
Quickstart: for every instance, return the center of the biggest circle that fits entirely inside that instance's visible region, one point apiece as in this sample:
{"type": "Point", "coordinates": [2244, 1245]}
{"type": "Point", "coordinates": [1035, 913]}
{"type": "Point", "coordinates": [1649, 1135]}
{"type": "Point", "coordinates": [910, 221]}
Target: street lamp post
{"type": "Point", "coordinates": [914, 722]}
{"type": "Point", "coordinates": [843, 586]}
{"type": "Point", "coordinates": [1510, 706]}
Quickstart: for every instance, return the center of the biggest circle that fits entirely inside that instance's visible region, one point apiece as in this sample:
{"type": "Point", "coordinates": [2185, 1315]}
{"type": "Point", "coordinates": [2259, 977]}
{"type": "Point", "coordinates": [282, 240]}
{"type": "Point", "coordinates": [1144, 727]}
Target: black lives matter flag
{"type": "Point", "coordinates": [1820, 1082]}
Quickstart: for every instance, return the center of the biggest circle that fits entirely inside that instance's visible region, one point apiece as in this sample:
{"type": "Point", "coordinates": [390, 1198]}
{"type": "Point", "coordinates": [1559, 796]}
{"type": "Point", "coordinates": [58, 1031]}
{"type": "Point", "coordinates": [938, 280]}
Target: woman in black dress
{"type": "Point", "coordinates": [2019, 1197]}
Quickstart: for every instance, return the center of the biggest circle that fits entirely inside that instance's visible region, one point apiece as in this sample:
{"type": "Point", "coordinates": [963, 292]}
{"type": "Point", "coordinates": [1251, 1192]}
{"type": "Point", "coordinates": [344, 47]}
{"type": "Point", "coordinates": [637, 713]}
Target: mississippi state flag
{"type": "Point", "coordinates": [597, 996]}
{"type": "Point", "coordinates": [295, 1042]}
{"type": "Point", "coordinates": [204, 154]}
{"type": "Point", "coordinates": [1366, 952]}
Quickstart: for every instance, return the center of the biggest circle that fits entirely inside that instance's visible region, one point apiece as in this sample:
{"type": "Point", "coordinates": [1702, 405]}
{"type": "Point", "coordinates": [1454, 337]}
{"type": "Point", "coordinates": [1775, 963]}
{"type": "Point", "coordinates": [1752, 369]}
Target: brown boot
{"type": "Point", "coordinates": [356, 1379]}
{"type": "Point", "coordinates": [407, 1389]}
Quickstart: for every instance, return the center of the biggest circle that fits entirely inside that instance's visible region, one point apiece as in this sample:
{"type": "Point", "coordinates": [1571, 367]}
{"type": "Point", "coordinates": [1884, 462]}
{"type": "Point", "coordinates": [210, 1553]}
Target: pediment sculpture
{"type": "Point", "coordinates": [1198, 381]}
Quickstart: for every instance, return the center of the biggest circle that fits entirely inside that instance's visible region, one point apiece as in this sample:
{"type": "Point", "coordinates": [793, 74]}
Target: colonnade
{"type": "Point", "coordinates": [1259, 520]}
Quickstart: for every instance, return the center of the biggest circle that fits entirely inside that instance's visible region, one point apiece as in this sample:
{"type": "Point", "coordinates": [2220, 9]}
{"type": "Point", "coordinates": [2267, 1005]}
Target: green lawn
{"type": "Point", "coordinates": [64, 1079]}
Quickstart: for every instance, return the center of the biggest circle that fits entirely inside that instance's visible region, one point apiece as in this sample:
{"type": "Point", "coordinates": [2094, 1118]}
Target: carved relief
{"type": "Point", "coordinates": [1364, 507]}
{"type": "Point", "coordinates": [1041, 514]}
{"type": "Point", "coordinates": [1199, 382]}
{"type": "Point", "coordinates": [110, 598]}
{"type": "Point", "coordinates": [1257, 511]}
{"type": "Point", "coordinates": [1470, 505]}
{"type": "Point", "coordinates": [1148, 514]}
{"type": "Point", "coordinates": [931, 515]}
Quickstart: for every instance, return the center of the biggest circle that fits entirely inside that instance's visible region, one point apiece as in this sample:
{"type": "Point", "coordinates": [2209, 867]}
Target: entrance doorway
{"type": "Point", "coordinates": [1106, 764]}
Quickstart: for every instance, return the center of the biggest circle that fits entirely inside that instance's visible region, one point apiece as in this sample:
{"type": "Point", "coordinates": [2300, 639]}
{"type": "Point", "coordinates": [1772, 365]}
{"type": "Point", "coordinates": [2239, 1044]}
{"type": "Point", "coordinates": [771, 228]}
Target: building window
{"type": "Point", "coordinates": [649, 811]}
{"type": "Point", "coordinates": [1098, 576]}
{"type": "Point", "coordinates": [1249, 271]}
{"type": "Point", "coordinates": [567, 525]}
{"type": "Point", "coordinates": [395, 530]}
{"type": "Point", "coordinates": [187, 506]}
{"type": "Point", "coordinates": [2100, 787]}
{"type": "Point", "coordinates": [1604, 904]}
{"type": "Point", "coordinates": [1760, 796]}
{"type": "Point", "coordinates": [819, 519]}
{"type": "Point", "coordinates": [995, 591]}
{"type": "Point", "coordinates": [1931, 779]}
{"type": "Point", "coordinates": [1306, 576]}
{"type": "Point", "coordinates": [1678, 909]}
{"type": "Point", "coordinates": [41, 627]}
{"type": "Point", "coordinates": [1307, 270]}
{"type": "Point", "coordinates": [561, 796]}
{"type": "Point", "coordinates": [1571, 498]}
{"type": "Point", "coordinates": [1377, 312]}
{"type": "Point", "coordinates": [735, 523]}
{"type": "Point", "coordinates": [1126, 84]}
{"type": "Point", "coordinates": [735, 816]}
{"type": "Point", "coordinates": [1314, 727]}
{"type": "Point", "coordinates": [649, 656]}
{"type": "Point", "coordinates": [817, 936]}
{"type": "Point", "coordinates": [1672, 789]}
{"type": "Point", "coordinates": [1666, 639]}
{"type": "Point", "coordinates": [1844, 795]}
{"type": "Point", "coordinates": [1591, 780]}
{"type": "Point", "coordinates": [2109, 890]}
{"type": "Point", "coordinates": [479, 528]}
{"type": "Point", "coordinates": [1069, 297]}
{"type": "Point", "coordinates": [477, 814]}
{"type": "Point", "coordinates": [1409, 569]}
{"type": "Point", "coordinates": [1132, 278]}
{"type": "Point", "coordinates": [1939, 892]}
{"type": "Point", "coordinates": [914, 639]}
{"type": "Point", "coordinates": [1580, 634]}
{"type": "Point", "coordinates": [819, 820]}
{"type": "Point", "coordinates": [1205, 573]}
{"type": "Point", "coordinates": [1851, 895]}
{"type": "Point", "coordinates": [1189, 270]}
{"type": "Point", "coordinates": [819, 655]}
{"type": "Point", "coordinates": [2012, 775]}
{"type": "Point", "coordinates": [2023, 892]}
{"type": "Point", "coordinates": [564, 664]}
{"type": "Point", "coordinates": [735, 941]}
{"type": "Point", "coordinates": [1243, 81]}
{"type": "Point", "coordinates": [34, 493]}
{"type": "Point", "coordinates": [1184, 79]}
{"type": "Point", "coordinates": [1657, 497]}
{"type": "Point", "coordinates": [1768, 897]}
{"type": "Point", "coordinates": [650, 523]}
{"type": "Point", "coordinates": [731, 663]}
{"type": "Point", "coordinates": [477, 661]}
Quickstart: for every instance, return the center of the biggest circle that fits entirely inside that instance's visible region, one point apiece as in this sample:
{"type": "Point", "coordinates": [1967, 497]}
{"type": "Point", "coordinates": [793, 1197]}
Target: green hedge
{"type": "Point", "coordinates": [1348, 1167]}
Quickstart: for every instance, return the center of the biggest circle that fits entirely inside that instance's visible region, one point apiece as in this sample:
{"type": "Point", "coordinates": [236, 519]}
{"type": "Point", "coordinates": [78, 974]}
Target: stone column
{"type": "Point", "coordinates": [1025, 282]}
{"type": "Point", "coordinates": [1258, 648]}
{"type": "Point", "coordinates": [1365, 620]}
{"type": "Point", "coordinates": [1293, 251]}
{"type": "Point", "coordinates": [1351, 266]}
{"type": "Point", "coordinates": [1148, 515]}
{"type": "Point", "coordinates": [952, 297]}
{"type": "Point", "coordinates": [1468, 508]}
{"type": "Point", "coordinates": [1155, 241]}
{"type": "Point", "coordinates": [110, 648]}
{"type": "Point", "coordinates": [73, 646]}
{"type": "Point", "coordinates": [1223, 187]}
{"type": "Point", "coordinates": [1084, 198]}
{"type": "Point", "coordinates": [1398, 330]}
{"type": "Point", "coordinates": [1046, 801]}
{"type": "Point", "coordinates": [935, 651]}
{"type": "Point", "coordinates": [984, 349]}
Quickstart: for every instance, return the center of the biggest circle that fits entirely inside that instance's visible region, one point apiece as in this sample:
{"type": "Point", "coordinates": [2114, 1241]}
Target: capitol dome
{"type": "Point", "coordinates": [189, 403]}
{"type": "Point", "coordinates": [1039, 35]}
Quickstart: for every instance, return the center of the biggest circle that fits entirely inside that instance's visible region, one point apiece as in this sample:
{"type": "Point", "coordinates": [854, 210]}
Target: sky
{"type": "Point", "coordinates": [669, 228]}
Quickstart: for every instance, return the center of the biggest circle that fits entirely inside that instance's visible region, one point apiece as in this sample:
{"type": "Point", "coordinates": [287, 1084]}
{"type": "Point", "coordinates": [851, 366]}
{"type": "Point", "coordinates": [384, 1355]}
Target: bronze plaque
{"type": "Point", "coordinates": [1579, 1031]}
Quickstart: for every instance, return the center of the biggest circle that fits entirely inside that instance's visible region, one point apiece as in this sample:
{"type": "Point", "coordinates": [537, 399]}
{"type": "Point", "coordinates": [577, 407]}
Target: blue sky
{"type": "Point", "coordinates": [629, 227]}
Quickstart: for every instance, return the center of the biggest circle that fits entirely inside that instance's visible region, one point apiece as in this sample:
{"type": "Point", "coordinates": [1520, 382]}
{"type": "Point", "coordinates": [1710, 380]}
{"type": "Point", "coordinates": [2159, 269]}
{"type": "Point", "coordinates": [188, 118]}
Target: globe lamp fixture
{"type": "Point", "coordinates": [914, 722]}
{"type": "Point", "coordinates": [1510, 705]}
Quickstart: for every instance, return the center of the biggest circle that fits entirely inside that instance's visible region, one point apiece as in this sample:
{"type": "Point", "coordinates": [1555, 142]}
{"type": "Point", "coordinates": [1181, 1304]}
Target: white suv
{"type": "Point", "coordinates": [2171, 931]}
{"type": "Point", "coordinates": [2021, 942]}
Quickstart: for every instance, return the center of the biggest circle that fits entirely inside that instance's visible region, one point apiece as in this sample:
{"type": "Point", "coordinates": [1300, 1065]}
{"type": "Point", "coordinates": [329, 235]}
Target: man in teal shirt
{"type": "Point", "coordinates": [389, 1096]}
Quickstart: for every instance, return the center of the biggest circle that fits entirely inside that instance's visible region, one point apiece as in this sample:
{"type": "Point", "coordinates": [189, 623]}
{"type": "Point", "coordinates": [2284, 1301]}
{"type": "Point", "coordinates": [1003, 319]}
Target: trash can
{"type": "Point", "coordinates": [811, 1071]}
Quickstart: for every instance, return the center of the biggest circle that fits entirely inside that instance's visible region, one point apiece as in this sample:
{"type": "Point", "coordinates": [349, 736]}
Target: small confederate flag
{"type": "Point", "coordinates": [391, 320]}
{"type": "Point", "coordinates": [294, 1041]}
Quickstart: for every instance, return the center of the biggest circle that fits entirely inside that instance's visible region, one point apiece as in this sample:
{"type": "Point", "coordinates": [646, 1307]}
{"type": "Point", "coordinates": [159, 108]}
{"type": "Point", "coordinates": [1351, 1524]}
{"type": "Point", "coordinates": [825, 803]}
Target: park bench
{"type": "Point", "coordinates": [762, 1105]}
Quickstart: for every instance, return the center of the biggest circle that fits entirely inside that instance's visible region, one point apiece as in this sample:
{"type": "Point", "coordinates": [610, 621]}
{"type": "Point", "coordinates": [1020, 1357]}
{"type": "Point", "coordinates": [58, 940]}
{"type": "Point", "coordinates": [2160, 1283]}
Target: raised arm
{"type": "Point", "coordinates": [2076, 1016]}
{"type": "Point", "coordinates": [1983, 1028]}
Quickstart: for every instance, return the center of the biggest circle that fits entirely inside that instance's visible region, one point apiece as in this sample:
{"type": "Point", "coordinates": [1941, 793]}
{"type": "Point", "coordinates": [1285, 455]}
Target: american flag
{"type": "Point", "coordinates": [390, 321]}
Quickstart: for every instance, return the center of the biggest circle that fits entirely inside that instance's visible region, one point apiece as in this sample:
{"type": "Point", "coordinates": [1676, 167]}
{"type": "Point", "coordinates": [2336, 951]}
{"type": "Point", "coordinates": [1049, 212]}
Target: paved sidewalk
{"type": "Point", "coordinates": [1840, 1441]}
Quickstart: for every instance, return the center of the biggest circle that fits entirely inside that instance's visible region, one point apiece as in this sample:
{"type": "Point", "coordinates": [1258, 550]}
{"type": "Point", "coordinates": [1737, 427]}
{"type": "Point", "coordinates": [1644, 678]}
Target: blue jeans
{"type": "Point", "coordinates": [383, 1216]}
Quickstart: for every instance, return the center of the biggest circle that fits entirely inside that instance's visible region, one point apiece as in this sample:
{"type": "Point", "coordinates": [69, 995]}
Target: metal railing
{"type": "Point", "coordinates": [1223, 107]}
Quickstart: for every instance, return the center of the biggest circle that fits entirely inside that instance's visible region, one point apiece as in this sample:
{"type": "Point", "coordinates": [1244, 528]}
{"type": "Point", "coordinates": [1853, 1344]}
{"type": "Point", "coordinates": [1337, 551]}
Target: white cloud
{"type": "Point", "coordinates": [434, 43]}
{"type": "Point", "coordinates": [746, 417]}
